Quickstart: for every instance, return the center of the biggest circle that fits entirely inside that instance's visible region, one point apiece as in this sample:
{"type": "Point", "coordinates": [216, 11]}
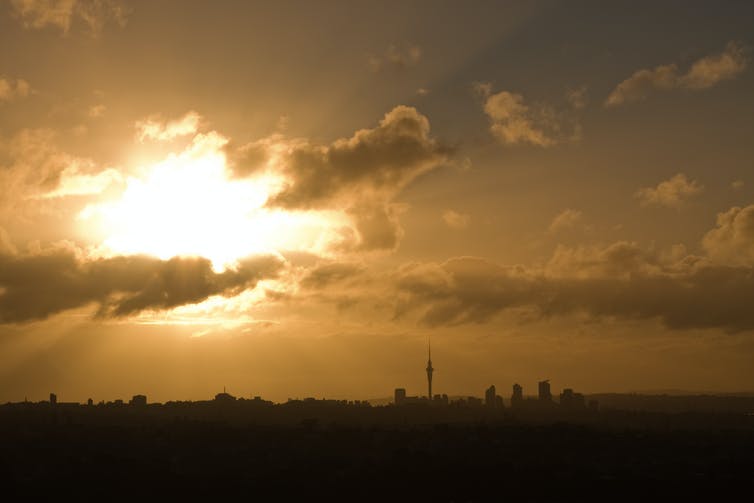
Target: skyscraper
{"type": "Point", "coordinates": [400, 396]}
{"type": "Point", "coordinates": [429, 370]}
{"type": "Point", "coordinates": [490, 397]}
{"type": "Point", "coordinates": [544, 391]}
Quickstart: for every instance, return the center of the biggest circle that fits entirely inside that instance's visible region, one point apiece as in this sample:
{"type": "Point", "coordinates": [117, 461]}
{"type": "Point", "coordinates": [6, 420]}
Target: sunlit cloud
{"type": "Point", "coordinates": [188, 204]}
{"type": "Point", "coordinates": [35, 168]}
{"type": "Point", "coordinates": [155, 129]}
{"type": "Point", "coordinates": [566, 219]}
{"type": "Point", "coordinates": [94, 14]}
{"type": "Point", "coordinates": [703, 74]}
{"type": "Point", "coordinates": [11, 90]}
{"type": "Point", "coordinates": [732, 239]}
{"type": "Point", "coordinates": [456, 220]}
{"type": "Point", "coordinates": [359, 176]}
{"type": "Point", "coordinates": [96, 111]}
{"type": "Point", "coordinates": [74, 182]}
{"type": "Point", "coordinates": [61, 278]}
{"type": "Point", "coordinates": [671, 193]}
{"type": "Point", "coordinates": [513, 121]}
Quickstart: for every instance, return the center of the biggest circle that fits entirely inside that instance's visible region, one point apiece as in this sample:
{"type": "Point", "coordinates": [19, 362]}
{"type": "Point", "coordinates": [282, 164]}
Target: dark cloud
{"type": "Point", "coordinates": [689, 294]}
{"type": "Point", "coordinates": [245, 160]}
{"type": "Point", "coordinates": [34, 287]}
{"type": "Point", "coordinates": [359, 175]}
{"type": "Point", "coordinates": [327, 274]}
{"type": "Point", "coordinates": [373, 162]}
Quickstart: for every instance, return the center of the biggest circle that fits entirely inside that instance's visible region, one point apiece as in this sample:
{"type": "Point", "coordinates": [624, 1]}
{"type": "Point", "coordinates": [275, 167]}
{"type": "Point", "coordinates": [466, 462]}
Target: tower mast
{"type": "Point", "coordinates": [429, 369]}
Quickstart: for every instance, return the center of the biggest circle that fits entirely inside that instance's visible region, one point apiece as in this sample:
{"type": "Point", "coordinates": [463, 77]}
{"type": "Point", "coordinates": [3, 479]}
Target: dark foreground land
{"type": "Point", "coordinates": [323, 452]}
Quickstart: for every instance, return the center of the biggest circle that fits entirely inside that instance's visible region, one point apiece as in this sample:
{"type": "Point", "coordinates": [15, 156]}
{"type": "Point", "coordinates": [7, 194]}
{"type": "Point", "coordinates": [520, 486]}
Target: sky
{"type": "Point", "coordinates": [290, 199]}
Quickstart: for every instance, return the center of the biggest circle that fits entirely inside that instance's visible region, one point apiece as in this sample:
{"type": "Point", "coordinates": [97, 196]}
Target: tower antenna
{"type": "Point", "coordinates": [430, 370]}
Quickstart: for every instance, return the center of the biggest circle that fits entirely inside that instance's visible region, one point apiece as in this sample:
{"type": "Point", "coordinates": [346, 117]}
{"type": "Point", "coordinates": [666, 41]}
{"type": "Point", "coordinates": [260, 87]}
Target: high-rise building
{"type": "Point", "coordinates": [400, 396]}
{"type": "Point", "coordinates": [518, 395]}
{"type": "Point", "coordinates": [489, 397]}
{"type": "Point", "coordinates": [430, 370]}
{"type": "Point", "coordinates": [53, 399]}
{"type": "Point", "coordinates": [544, 391]}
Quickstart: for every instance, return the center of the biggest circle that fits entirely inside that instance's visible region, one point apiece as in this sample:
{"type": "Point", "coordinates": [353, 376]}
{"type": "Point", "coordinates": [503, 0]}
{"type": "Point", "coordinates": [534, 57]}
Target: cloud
{"type": "Point", "coordinates": [513, 121]}
{"type": "Point", "coordinates": [378, 227]}
{"type": "Point", "coordinates": [711, 70]}
{"type": "Point", "coordinates": [11, 91]}
{"type": "Point", "coordinates": [621, 282]}
{"type": "Point", "coordinates": [6, 245]}
{"type": "Point", "coordinates": [703, 74]}
{"type": "Point", "coordinates": [577, 97]}
{"type": "Point", "coordinates": [74, 182]}
{"type": "Point", "coordinates": [61, 14]}
{"type": "Point", "coordinates": [566, 219]}
{"type": "Point", "coordinates": [32, 167]}
{"type": "Point", "coordinates": [324, 275]}
{"type": "Point", "coordinates": [359, 175]}
{"type": "Point", "coordinates": [96, 111]}
{"type": "Point", "coordinates": [33, 163]}
{"type": "Point", "coordinates": [732, 240]}
{"type": "Point", "coordinates": [615, 281]}
{"type": "Point", "coordinates": [40, 285]}
{"type": "Point", "coordinates": [670, 193]}
{"type": "Point", "coordinates": [153, 128]}
{"type": "Point", "coordinates": [456, 220]}
{"type": "Point", "coordinates": [396, 58]}
{"type": "Point", "coordinates": [378, 161]}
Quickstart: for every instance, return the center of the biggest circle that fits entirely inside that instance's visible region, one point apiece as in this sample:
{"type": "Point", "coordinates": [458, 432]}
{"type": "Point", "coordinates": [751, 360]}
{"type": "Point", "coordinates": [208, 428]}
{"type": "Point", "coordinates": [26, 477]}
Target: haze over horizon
{"type": "Point", "coordinates": [289, 198]}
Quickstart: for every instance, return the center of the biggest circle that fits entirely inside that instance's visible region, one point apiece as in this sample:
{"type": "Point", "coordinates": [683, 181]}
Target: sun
{"type": "Point", "coordinates": [188, 204]}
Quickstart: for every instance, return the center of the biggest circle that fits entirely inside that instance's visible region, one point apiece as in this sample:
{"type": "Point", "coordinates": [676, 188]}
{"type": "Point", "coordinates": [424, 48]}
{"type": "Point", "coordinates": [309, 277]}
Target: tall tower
{"type": "Point", "coordinates": [429, 369]}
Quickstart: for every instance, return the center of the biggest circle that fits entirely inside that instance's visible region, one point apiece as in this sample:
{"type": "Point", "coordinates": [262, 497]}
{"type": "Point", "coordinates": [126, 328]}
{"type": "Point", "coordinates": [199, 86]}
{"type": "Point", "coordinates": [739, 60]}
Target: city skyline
{"type": "Point", "coordinates": [292, 198]}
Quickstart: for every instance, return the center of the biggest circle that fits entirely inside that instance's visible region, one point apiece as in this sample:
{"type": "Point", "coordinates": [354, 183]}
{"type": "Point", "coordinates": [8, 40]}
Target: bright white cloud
{"type": "Point", "coordinates": [154, 128]}
{"type": "Point", "coordinates": [74, 182]}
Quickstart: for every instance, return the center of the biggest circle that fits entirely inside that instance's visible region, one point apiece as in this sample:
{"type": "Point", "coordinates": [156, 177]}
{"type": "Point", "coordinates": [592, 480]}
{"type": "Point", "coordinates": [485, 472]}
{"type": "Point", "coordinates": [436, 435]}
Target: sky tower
{"type": "Point", "coordinates": [429, 369]}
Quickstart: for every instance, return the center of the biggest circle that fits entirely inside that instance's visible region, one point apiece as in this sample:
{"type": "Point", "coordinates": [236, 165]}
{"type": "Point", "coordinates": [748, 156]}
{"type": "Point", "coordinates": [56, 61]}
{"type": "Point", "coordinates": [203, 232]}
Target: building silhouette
{"type": "Point", "coordinates": [138, 400]}
{"type": "Point", "coordinates": [544, 391]}
{"type": "Point", "coordinates": [53, 399]}
{"type": "Point", "coordinates": [223, 397]}
{"type": "Point", "coordinates": [400, 396]}
{"type": "Point", "coordinates": [489, 397]}
{"type": "Point", "coordinates": [517, 398]}
{"type": "Point", "coordinates": [430, 370]}
{"type": "Point", "coordinates": [571, 400]}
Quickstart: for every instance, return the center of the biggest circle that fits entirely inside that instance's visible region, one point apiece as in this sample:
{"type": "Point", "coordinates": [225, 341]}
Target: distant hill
{"type": "Point", "coordinates": [728, 402]}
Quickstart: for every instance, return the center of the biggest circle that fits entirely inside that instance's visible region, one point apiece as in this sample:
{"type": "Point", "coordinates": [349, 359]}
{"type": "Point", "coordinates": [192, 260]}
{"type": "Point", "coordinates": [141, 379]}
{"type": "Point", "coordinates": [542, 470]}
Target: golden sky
{"type": "Point", "coordinates": [289, 198]}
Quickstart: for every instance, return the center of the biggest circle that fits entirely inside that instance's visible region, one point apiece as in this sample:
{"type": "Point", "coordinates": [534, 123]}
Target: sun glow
{"type": "Point", "coordinates": [188, 205]}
